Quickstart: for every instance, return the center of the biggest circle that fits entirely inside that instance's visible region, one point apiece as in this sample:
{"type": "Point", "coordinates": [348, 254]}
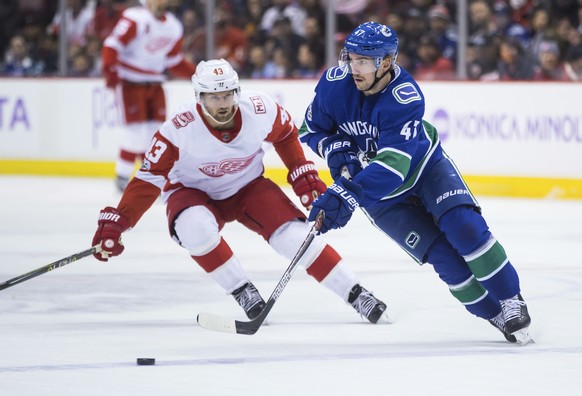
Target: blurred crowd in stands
{"type": "Point", "coordinates": [533, 40]}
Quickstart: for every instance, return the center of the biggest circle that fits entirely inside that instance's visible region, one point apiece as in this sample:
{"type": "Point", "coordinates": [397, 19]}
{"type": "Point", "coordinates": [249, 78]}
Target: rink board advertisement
{"type": "Point", "coordinates": [498, 134]}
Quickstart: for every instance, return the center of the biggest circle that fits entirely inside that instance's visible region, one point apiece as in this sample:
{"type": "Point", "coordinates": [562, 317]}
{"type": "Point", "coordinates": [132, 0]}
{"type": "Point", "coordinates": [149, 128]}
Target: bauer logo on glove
{"type": "Point", "coordinates": [348, 198]}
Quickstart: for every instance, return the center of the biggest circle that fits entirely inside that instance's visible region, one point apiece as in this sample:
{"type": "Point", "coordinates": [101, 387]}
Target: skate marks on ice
{"type": "Point", "coordinates": [391, 352]}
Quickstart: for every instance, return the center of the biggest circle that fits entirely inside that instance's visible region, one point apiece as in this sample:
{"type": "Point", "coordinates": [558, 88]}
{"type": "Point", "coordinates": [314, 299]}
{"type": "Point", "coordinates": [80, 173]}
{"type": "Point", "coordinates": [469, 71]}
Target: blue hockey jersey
{"type": "Point", "coordinates": [395, 144]}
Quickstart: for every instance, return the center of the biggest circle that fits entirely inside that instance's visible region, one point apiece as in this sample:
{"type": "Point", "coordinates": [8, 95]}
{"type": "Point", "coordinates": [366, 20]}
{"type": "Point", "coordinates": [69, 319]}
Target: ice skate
{"type": "Point", "coordinates": [367, 305]}
{"type": "Point", "coordinates": [249, 299]}
{"type": "Point", "coordinates": [517, 319]}
{"type": "Point", "coordinates": [499, 323]}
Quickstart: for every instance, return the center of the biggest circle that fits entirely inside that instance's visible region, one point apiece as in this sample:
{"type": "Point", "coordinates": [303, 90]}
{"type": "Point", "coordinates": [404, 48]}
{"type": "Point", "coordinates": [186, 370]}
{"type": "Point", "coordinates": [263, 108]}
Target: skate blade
{"type": "Point", "coordinates": [385, 319]}
{"type": "Point", "coordinates": [523, 337]}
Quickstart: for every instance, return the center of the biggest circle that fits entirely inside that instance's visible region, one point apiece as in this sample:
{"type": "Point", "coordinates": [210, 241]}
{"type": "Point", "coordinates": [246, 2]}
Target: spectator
{"type": "Point", "coordinates": [47, 53]}
{"type": "Point", "coordinates": [482, 52]}
{"type": "Point", "coordinates": [513, 62]}
{"type": "Point", "coordinates": [315, 9]}
{"type": "Point", "coordinates": [231, 42]}
{"type": "Point", "coordinates": [33, 31]}
{"type": "Point", "coordinates": [288, 9]}
{"type": "Point", "coordinates": [549, 67]}
{"type": "Point", "coordinates": [505, 26]}
{"type": "Point", "coordinates": [432, 65]}
{"type": "Point", "coordinates": [259, 65]}
{"type": "Point", "coordinates": [540, 30]}
{"type": "Point", "coordinates": [81, 65]}
{"type": "Point", "coordinates": [309, 63]}
{"type": "Point", "coordinates": [93, 51]}
{"type": "Point", "coordinates": [521, 10]}
{"type": "Point", "coordinates": [8, 9]}
{"type": "Point", "coordinates": [490, 21]}
{"type": "Point", "coordinates": [252, 21]}
{"type": "Point", "coordinates": [18, 62]}
{"type": "Point", "coordinates": [396, 21]}
{"type": "Point", "coordinates": [415, 25]}
{"type": "Point", "coordinates": [192, 26]}
{"type": "Point", "coordinates": [482, 58]}
{"type": "Point", "coordinates": [313, 32]}
{"type": "Point", "coordinates": [573, 66]}
{"type": "Point", "coordinates": [481, 23]}
{"type": "Point", "coordinates": [42, 11]}
{"type": "Point", "coordinates": [422, 5]}
{"type": "Point", "coordinates": [440, 26]}
{"type": "Point", "coordinates": [563, 29]}
{"type": "Point", "coordinates": [565, 8]}
{"type": "Point", "coordinates": [282, 63]}
{"type": "Point", "coordinates": [284, 37]}
{"type": "Point", "coordinates": [179, 7]}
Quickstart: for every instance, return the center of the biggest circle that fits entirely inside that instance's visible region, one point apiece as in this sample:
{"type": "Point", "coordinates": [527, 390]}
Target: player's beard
{"type": "Point", "coordinates": [223, 118]}
{"type": "Point", "coordinates": [224, 115]}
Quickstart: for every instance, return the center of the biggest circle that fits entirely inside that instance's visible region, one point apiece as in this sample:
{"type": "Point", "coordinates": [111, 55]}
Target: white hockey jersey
{"type": "Point", "coordinates": [146, 46]}
{"type": "Point", "coordinates": [187, 152]}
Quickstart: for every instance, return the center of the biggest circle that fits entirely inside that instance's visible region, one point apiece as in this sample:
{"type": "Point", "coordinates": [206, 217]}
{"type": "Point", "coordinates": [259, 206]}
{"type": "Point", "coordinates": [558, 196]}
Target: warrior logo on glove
{"type": "Point", "coordinates": [306, 183]}
{"type": "Point", "coordinates": [110, 226]}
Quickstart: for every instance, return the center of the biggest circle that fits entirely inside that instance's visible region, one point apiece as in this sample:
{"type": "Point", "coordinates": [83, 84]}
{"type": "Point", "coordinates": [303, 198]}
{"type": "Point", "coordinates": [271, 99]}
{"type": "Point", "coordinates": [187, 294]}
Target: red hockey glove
{"type": "Point", "coordinates": [306, 183]}
{"type": "Point", "coordinates": [109, 228]}
{"type": "Point", "coordinates": [111, 77]}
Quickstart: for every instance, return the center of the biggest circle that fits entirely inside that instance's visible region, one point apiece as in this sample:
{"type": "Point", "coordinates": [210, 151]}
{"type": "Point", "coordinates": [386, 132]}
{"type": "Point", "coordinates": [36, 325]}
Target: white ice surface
{"type": "Point", "coordinates": [78, 330]}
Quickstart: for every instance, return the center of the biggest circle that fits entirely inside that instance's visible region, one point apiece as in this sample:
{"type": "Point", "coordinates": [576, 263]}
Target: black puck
{"type": "Point", "coordinates": [146, 361]}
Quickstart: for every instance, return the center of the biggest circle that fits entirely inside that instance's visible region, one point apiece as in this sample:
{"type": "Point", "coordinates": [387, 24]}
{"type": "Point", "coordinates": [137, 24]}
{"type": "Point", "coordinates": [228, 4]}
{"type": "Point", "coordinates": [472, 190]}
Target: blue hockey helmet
{"type": "Point", "coordinates": [373, 40]}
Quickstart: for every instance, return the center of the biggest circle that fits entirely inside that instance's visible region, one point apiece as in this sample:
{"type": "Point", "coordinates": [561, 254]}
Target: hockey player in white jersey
{"type": "Point", "coordinates": [145, 43]}
{"type": "Point", "coordinates": [207, 162]}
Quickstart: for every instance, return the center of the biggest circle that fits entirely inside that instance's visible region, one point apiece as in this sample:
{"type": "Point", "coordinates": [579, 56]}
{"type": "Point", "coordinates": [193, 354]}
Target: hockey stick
{"type": "Point", "coordinates": [50, 267]}
{"type": "Point", "coordinates": [220, 323]}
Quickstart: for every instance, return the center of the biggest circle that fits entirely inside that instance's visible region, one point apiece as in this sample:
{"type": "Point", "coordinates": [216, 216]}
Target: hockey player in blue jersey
{"type": "Point", "coordinates": [366, 120]}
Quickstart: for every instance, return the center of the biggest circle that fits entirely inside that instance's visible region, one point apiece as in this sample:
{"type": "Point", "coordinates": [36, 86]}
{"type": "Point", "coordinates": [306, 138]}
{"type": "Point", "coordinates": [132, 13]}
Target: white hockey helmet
{"type": "Point", "coordinates": [216, 75]}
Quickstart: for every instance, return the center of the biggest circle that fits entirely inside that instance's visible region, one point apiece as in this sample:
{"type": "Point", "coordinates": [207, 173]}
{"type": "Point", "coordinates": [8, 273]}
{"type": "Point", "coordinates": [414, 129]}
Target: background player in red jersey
{"type": "Point", "coordinates": [207, 162]}
{"type": "Point", "coordinates": [146, 42]}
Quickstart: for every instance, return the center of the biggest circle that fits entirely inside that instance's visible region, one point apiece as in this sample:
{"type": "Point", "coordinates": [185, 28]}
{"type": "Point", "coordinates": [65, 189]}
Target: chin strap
{"type": "Point", "coordinates": [376, 79]}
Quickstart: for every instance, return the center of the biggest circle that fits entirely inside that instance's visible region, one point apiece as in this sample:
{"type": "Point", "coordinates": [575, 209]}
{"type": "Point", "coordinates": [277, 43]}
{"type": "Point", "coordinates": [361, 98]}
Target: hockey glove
{"type": "Point", "coordinates": [306, 183]}
{"type": "Point", "coordinates": [338, 202]}
{"type": "Point", "coordinates": [111, 77]}
{"type": "Point", "coordinates": [109, 228]}
{"type": "Point", "coordinates": [340, 153]}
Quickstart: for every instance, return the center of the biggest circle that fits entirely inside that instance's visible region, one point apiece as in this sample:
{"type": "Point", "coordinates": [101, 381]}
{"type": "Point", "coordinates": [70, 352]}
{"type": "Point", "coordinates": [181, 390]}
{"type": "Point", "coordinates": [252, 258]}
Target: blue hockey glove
{"type": "Point", "coordinates": [340, 153]}
{"type": "Point", "coordinates": [338, 202]}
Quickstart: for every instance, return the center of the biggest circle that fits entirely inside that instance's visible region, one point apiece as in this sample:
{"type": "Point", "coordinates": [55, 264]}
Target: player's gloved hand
{"type": "Point", "coordinates": [340, 153]}
{"type": "Point", "coordinates": [110, 226]}
{"type": "Point", "coordinates": [338, 202]}
{"type": "Point", "coordinates": [306, 182]}
{"type": "Point", "coordinates": [111, 76]}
